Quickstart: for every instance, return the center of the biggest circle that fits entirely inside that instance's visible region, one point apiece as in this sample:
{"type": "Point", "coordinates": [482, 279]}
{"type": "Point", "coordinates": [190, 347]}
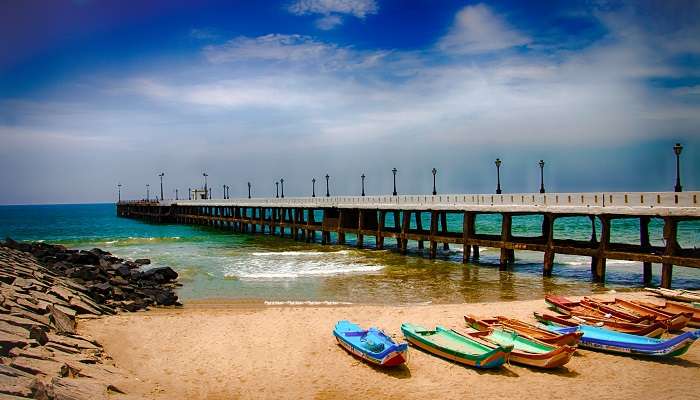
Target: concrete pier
{"type": "Point", "coordinates": [368, 216]}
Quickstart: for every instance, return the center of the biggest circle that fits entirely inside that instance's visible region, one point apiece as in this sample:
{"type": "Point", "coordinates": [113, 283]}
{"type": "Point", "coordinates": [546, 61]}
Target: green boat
{"type": "Point", "coordinates": [526, 351]}
{"type": "Point", "coordinates": [449, 344]}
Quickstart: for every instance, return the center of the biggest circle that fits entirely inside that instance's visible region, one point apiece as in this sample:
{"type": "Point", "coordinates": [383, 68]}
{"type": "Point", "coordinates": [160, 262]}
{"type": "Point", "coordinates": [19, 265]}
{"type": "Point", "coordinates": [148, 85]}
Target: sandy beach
{"type": "Point", "coordinates": [222, 350]}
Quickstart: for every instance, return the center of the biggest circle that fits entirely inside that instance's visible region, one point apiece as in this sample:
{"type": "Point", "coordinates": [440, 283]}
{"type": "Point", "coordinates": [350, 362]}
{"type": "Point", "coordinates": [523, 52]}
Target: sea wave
{"type": "Point", "coordinates": [310, 253]}
{"type": "Point", "coordinates": [264, 269]}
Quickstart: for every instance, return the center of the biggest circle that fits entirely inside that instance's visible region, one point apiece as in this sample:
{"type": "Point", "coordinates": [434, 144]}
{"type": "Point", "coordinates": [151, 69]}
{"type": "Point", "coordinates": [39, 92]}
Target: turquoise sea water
{"type": "Point", "coordinates": [222, 264]}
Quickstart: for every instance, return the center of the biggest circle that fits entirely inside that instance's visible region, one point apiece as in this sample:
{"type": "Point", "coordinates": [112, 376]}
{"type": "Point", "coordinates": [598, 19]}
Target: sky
{"type": "Point", "coordinates": [96, 93]}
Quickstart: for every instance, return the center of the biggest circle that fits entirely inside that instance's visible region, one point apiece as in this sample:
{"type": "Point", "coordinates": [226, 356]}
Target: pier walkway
{"type": "Point", "coordinates": [424, 219]}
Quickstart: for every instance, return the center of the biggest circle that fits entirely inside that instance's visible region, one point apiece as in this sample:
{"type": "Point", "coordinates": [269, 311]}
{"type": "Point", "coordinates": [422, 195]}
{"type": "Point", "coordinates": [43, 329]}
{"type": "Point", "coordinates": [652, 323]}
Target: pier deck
{"type": "Point", "coordinates": [402, 218]}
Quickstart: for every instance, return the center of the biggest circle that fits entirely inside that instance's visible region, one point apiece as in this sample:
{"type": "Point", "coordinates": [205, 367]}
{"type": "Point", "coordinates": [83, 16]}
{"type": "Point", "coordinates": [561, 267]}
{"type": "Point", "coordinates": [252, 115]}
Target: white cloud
{"type": "Point", "coordinates": [357, 8]}
{"type": "Point", "coordinates": [328, 22]}
{"type": "Point", "coordinates": [331, 10]}
{"type": "Point", "coordinates": [477, 29]}
{"type": "Point", "coordinates": [299, 49]}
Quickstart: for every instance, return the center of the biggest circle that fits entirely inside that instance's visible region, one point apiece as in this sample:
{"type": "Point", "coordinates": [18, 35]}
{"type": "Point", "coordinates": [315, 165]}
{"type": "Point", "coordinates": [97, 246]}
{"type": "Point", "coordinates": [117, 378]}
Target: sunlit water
{"type": "Point", "coordinates": [222, 264]}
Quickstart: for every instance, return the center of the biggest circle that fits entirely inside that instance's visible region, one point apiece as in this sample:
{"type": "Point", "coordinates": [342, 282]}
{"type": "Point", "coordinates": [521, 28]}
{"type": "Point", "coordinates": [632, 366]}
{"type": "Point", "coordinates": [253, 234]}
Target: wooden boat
{"type": "Point", "coordinates": [687, 296]}
{"type": "Point", "coordinates": [654, 330]}
{"type": "Point", "coordinates": [448, 344]}
{"type": "Point", "coordinates": [674, 308]}
{"type": "Point", "coordinates": [673, 321]}
{"type": "Point", "coordinates": [525, 329]}
{"type": "Point", "coordinates": [526, 351]}
{"type": "Point", "coordinates": [622, 343]}
{"type": "Point", "coordinates": [582, 309]}
{"type": "Point", "coordinates": [371, 345]}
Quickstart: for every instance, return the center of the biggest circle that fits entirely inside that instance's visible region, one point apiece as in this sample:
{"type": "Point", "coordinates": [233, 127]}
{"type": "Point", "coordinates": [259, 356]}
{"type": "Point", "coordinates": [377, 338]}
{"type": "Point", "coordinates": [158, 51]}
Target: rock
{"type": "Point", "coordinates": [17, 385]}
{"type": "Point", "coordinates": [61, 321]}
{"type": "Point", "coordinates": [166, 298]}
{"type": "Point", "coordinates": [160, 275]}
{"type": "Point", "coordinates": [14, 329]}
{"type": "Point", "coordinates": [77, 389]}
{"type": "Point", "coordinates": [61, 292]}
{"type": "Point", "coordinates": [37, 366]}
{"type": "Point", "coordinates": [39, 352]}
{"type": "Point", "coordinates": [10, 340]}
{"type": "Point", "coordinates": [84, 306]}
{"type": "Point", "coordinates": [142, 261]}
{"type": "Point", "coordinates": [18, 321]}
{"type": "Point", "coordinates": [124, 271]}
{"type": "Point", "coordinates": [72, 342]}
{"type": "Point", "coordinates": [39, 335]}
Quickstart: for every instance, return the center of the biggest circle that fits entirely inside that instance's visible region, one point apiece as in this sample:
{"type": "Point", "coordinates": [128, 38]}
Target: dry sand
{"type": "Point", "coordinates": [211, 350]}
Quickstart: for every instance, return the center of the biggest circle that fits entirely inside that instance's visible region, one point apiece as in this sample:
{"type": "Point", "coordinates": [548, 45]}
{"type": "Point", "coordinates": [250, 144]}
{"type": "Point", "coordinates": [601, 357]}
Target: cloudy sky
{"type": "Point", "coordinates": [99, 92]}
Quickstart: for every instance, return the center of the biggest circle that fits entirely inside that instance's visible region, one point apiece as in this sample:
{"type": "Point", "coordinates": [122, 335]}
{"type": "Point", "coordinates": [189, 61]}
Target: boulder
{"type": "Point", "coordinates": [142, 261]}
{"type": "Point", "coordinates": [61, 321]}
{"type": "Point", "coordinates": [160, 274]}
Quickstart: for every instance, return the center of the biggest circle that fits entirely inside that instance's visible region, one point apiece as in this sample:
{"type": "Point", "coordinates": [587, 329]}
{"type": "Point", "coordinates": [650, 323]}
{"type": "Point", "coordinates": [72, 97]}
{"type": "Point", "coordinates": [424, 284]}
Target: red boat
{"type": "Point", "coordinates": [673, 321]}
{"type": "Point", "coordinates": [654, 330]}
{"type": "Point", "coordinates": [525, 329]}
{"type": "Point", "coordinates": [586, 309]}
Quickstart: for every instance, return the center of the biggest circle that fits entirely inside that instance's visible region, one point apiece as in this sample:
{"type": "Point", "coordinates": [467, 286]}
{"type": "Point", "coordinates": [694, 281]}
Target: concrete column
{"type": "Point", "coordinates": [505, 238]}
{"type": "Point", "coordinates": [548, 236]}
{"type": "Point", "coordinates": [598, 262]}
{"type": "Point", "coordinates": [419, 226]}
{"type": "Point", "coordinates": [433, 231]}
{"type": "Point", "coordinates": [443, 222]}
{"type": "Point", "coordinates": [360, 236]}
{"type": "Point", "coordinates": [644, 241]}
{"type": "Point", "coordinates": [467, 233]}
{"type": "Point", "coordinates": [670, 237]}
{"type": "Point", "coordinates": [380, 230]}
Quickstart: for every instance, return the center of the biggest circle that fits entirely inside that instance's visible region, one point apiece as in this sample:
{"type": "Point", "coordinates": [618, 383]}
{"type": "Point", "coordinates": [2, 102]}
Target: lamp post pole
{"type": "Point", "coordinates": [677, 149]}
{"type": "Point", "coordinates": [434, 189]}
{"type": "Point", "coordinates": [498, 176]}
{"type": "Point", "coordinates": [277, 190]}
{"type": "Point", "coordinates": [313, 187]}
{"type": "Point", "coordinates": [204, 174]}
{"type": "Point", "coordinates": [282, 185]}
{"type": "Point", "coordinates": [541, 176]}
{"type": "Point", "coordinates": [363, 184]}
{"type": "Point", "coordinates": [248, 189]}
{"type": "Point", "coordinates": [176, 195]}
{"type": "Point", "coordinates": [119, 195]}
{"type": "Point", "coordinates": [161, 175]}
{"type": "Point", "coordinates": [394, 170]}
{"type": "Point", "coordinates": [328, 193]}
{"type": "Point", "coordinates": [148, 192]}
{"type": "Point", "coordinates": [189, 193]}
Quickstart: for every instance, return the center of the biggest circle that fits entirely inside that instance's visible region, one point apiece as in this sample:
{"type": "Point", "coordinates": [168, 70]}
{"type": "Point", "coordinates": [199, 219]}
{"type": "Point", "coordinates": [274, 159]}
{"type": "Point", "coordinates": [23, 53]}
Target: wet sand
{"type": "Point", "coordinates": [222, 350]}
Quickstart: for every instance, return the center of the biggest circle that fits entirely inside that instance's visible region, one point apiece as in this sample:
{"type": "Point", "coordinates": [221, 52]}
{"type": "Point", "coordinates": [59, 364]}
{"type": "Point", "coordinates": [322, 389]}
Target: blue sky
{"type": "Point", "coordinates": [96, 92]}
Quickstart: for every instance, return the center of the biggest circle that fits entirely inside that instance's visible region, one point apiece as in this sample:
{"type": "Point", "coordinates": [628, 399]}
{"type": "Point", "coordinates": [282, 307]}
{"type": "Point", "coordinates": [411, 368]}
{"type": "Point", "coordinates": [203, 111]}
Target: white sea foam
{"type": "Point", "coordinates": [309, 253]}
{"type": "Point", "coordinates": [305, 303]}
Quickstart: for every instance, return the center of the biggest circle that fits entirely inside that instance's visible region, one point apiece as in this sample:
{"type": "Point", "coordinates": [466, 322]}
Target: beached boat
{"type": "Point", "coordinates": [673, 321]}
{"type": "Point", "coordinates": [526, 351]}
{"type": "Point", "coordinates": [671, 307]}
{"type": "Point", "coordinates": [449, 344]}
{"type": "Point", "coordinates": [583, 309]}
{"type": "Point", "coordinates": [653, 330]}
{"type": "Point", "coordinates": [372, 344]}
{"type": "Point", "coordinates": [525, 329]}
{"type": "Point", "coordinates": [617, 342]}
{"type": "Point", "coordinates": [687, 296]}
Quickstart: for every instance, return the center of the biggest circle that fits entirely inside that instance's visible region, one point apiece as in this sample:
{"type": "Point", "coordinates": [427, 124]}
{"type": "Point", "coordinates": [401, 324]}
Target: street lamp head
{"type": "Point", "coordinates": [313, 180]}
{"type": "Point", "coordinates": [248, 184]}
{"type": "Point", "coordinates": [498, 162]}
{"type": "Point", "coordinates": [434, 171]}
{"type": "Point", "coordinates": [282, 180]}
{"type": "Point", "coordinates": [677, 149]}
{"type": "Point", "coordinates": [327, 176]}
{"type": "Point", "coordinates": [541, 163]}
{"type": "Point", "coordinates": [362, 176]}
{"type": "Point", "coordinates": [394, 170]}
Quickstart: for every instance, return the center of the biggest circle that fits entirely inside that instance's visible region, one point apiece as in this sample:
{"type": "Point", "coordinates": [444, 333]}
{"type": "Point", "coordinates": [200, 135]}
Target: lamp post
{"type": "Point", "coordinates": [119, 195]}
{"type": "Point", "coordinates": [189, 193]}
{"type": "Point", "coordinates": [541, 176]}
{"type": "Point", "coordinates": [148, 192]}
{"type": "Point", "coordinates": [498, 176]}
{"type": "Point", "coordinates": [204, 174]}
{"type": "Point", "coordinates": [176, 195]}
{"type": "Point", "coordinates": [363, 184]}
{"type": "Point", "coordinates": [313, 187]}
{"type": "Point", "coordinates": [223, 189]}
{"type": "Point", "coordinates": [282, 185]}
{"type": "Point", "coordinates": [434, 189]}
{"type": "Point", "coordinates": [677, 149]}
{"type": "Point", "coordinates": [328, 193]}
{"type": "Point", "coordinates": [277, 190]}
{"type": "Point", "coordinates": [248, 189]}
{"type": "Point", "coordinates": [394, 171]}
{"type": "Point", "coordinates": [161, 175]}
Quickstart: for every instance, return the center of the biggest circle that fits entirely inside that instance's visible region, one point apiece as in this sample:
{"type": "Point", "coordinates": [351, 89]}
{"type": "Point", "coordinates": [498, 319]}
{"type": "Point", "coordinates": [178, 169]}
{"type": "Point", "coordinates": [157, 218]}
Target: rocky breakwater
{"type": "Point", "coordinates": [44, 291]}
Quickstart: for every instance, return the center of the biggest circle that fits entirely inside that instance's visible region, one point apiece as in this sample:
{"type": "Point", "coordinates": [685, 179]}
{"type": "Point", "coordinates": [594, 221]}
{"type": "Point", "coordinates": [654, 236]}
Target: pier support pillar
{"type": "Point", "coordinates": [405, 224]}
{"type": "Point", "coordinates": [670, 232]}
{"type": "Point", "coordinates": [475, 256]}
{"type": "Point", "coordinates": [644, 241]}
{"type": "Point", "coordinates": [443, 223]}
{"type": "Point", "coordinates": [360, 237]}
{"type": "Point", "coordinates": [419, 227]}
{"type": "Point", "coordinates": [598, 263]}
{"type": "Point", "coordinates": [380, 230]}
{"type": "Point", "coordinates": [505, 238]}
{"type": "Point", "coordinates": [548, 236]}
{"type": "Point", "coordinates": [433, 231]}
{"type": "Point", "coordinates": [341, 223]}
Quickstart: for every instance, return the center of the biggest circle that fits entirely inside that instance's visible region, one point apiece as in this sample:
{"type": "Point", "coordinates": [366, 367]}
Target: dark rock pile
{"type": "Point", "coordinates": [43, 289]}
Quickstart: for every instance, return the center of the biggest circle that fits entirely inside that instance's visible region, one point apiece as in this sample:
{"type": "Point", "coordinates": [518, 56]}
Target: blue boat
{"type": "Point", "coordinates": [618, 342]}
{"type": "Point", "coordinates": [372, 344]}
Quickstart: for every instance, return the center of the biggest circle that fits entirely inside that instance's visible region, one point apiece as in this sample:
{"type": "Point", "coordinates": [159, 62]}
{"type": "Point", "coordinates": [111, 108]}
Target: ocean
{"type": "Point", "coordinates": [259, 268]}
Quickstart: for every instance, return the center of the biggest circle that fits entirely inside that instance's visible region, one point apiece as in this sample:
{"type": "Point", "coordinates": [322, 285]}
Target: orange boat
{"type": "Point", "coordinates": [673, 321]}
{"type": "Point", "coordinates": [525, 329]}
{"type": "Point", "coordinates": [654, 330]}
{"type": "Point", "coordinates": [588, 309]}
{"type": "Point", "coordinates": [672, 307]}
